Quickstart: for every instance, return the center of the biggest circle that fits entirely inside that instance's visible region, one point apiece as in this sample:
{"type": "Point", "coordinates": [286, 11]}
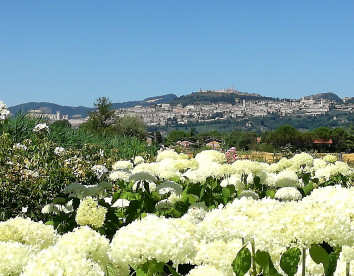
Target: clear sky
{"type": "Point", "coordinates": [72, 52]}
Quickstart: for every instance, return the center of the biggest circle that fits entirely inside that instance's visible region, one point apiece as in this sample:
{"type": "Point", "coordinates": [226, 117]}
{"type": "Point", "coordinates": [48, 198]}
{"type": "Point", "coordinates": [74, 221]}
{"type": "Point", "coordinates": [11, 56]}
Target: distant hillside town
{"type": "Point", "coordinates": [169, 115]}
{"type": "Point", "coordinates": [200, 107]}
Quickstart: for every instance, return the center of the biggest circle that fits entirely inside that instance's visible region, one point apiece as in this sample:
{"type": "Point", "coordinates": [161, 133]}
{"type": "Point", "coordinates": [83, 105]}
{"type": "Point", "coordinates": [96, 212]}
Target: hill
{"type": "Point", "coordinates": [326, 96]}
{"type": "Point", "coordinates": [148, 101]}
{"type": "Point", "coordinates": [82, 111]}
{"type": "Point", "coordinates": [213, 98]}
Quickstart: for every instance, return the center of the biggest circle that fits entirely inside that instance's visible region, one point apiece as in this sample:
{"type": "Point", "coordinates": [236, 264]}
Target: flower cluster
{"type": "Point", "coordinates": [59, 151]}
{"type": "Point", "coordinates": [4, 112]}
{"type": "Point", "coordinates": [151, 238]}
{"type": "Point", "coordinates": [231, 155]}
{"type": "Point", "coordinates": [288, 193]}
{"type": "Point", "coordinates": [99, 170]}
{"type": "Point", "coordinates": [13, 257]}
{"type": "Point", "coordinates": [90, 213]}
{"type": "Point", "coordinates": [27, 232]}
{"type": "Point", "coordinates": [42, 128]}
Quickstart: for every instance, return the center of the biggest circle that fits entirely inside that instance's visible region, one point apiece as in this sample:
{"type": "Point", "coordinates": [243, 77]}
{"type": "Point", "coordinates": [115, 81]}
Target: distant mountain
{"type": "Point", "coordinates": [148, 101]}
{"type": "Point", "coordinates": [217, 97]}
{"type": "Point", "coordinates": [82, 111]}
{"type": "Point", "coordinates": [190, 99]}
{"type": "Point", "coordinates": [326, 96]}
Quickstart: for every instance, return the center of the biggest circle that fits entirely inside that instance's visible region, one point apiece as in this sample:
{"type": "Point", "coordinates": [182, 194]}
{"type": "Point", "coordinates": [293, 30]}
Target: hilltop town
{"type": "Point", "coordinates": [169, 115]}
{"type": "Point", "coordinates": [224, 104]}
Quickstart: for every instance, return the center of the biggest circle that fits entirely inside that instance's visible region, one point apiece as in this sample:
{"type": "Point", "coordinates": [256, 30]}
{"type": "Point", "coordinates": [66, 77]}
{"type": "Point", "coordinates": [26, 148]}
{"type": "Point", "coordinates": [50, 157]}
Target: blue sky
{"type": "Point", "coordinates": [72, 52]}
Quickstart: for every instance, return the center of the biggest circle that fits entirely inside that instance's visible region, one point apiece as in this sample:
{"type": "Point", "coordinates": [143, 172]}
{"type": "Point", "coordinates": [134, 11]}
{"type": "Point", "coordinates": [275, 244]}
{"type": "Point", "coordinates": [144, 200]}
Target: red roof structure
{"type": "Point", "coordinates": [321, 141]}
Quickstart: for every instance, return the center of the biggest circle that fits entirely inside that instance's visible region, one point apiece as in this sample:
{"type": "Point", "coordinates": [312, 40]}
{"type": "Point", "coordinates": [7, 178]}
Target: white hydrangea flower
{"type": "Point", "coordinates": [196, 213]}
{"type": "Point", "coordinates": [301, 160]}
{"type": "Point", "coordinates": [208, 156]}
{"type": "Point", "coordinates": [166, 168]}
{"type": "Point", "coordinates": [122, 165]}
{"type": "Point", "coordinates": [138, 160]}
{"type": "Point", "coordinates": [145, 168]}
{"type": "Point", "coordinates": [286, 178]}
{"type": "Point", "coordinates": [116, 175]}
{"type": "Point", "coordinates": [168, 153]}
{"type": "Point", "coordinates": [61, 261]}
{"type": "Point", "coordinates": [282, 164]}
{"type": "Point", "coordinates": [205, 270]}
{"type": "Point", "coordinates": [330, 158]}
{"type": "Point", "coordinates": [26, 231]}
{"type": "Point", "coordinates": [209, 254]}
{"type": "Point", "coordinates": [13, 257]}
{"type": "Point", "coordinates": [90, 213]}
{"type": "Point", "coordinates": [86, 241]}
{"type": "Point", "coordinates": [288, 193]}
{"type": "Point", "coordinates": [150, 238]}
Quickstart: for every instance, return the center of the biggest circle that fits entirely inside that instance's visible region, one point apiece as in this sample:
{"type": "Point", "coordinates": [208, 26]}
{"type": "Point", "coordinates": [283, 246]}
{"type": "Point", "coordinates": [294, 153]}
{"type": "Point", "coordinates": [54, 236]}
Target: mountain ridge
{"type": "Point", "coordinates": [193, 98]}
{"type": "Point", "coordinates": [82, 111]}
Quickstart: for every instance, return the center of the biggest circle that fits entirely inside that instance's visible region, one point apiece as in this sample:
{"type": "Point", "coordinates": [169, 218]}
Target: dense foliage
{"type": "Point", "coordinates": [89, 211]}
{"type": "Point", "coordinates": [331, 119]}
{"type": "Point", "coordinates": [342, 139]}
{"type": "Point", "coordinates": [213, 98]}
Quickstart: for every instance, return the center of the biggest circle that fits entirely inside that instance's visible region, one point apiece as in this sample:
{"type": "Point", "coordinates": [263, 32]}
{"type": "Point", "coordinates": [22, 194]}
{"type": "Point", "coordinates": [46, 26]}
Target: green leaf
{"type": "Point", "coordinates": [59, 200]}
{"type": "Point", "coordinates": [50, 222]}
{"type": "Point", "coordinates": [265, 262]}
{"type": "Point", "coordinates": [140, 272]}
{"type": "Point", "coordinates": [226, 194]}
{"type": "Point", "coordinates": [192, 198]}
{"type": "Point", "coordinates": [319, 255]}
{"type": "Point", "coordinates": [308, 188]}
{"type": "Point", "coordinates": [257, 182]}
{"type": "Point", "coordinates": [172, 270]}
{"type": "Point", "coordinates": [213, 184]}
{"type": "Point", "coordinates": [270, 193]}
{"type": "Point", "coordinates": [290, 260]}
{"type": "Point", "coordinates": [111, 270]}
{"type": "Point", "coordinates": [262, 258]}
{"type": "Point", "coordinates": [242, 262]}
{"type": "Point", "coordinates": [202, 192]}
{"type": "Point", "coordinates": [306, 177]}
{"type": "Point", "coordinates": [231, 188]}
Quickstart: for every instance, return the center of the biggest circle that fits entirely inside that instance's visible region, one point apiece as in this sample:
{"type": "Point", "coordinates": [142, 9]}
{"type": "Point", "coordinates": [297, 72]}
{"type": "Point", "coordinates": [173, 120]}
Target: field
{"type": "Point", "coordinates": [90, 211]}
{"type": "Point", "coordinates": [271, 157]}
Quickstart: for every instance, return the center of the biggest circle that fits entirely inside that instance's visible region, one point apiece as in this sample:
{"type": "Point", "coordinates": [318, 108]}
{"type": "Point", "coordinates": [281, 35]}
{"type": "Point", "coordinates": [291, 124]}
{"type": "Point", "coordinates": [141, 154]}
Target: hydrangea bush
{"type": "Point", "coordinates": [71, 212]}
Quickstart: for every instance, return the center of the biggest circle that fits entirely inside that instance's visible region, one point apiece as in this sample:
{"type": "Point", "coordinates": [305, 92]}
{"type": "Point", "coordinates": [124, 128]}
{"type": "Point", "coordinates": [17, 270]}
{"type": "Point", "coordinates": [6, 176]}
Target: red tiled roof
{"type": "Point", "coordinates": [321, 141]}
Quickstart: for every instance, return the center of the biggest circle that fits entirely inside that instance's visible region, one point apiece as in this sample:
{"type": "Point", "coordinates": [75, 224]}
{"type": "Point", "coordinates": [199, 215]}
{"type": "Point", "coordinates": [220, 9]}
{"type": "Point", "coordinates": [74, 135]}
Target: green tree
{"type": "Point", "coordinates": [176, 135]}
{"type": "Point", "coordinates": [130, 126]}
{"type": "Point", "coordinates": [102, 118]}
{"type": "Point", "coordinates": [283, 135]}
{"type": "Point", "coordinates": [323, 133]}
